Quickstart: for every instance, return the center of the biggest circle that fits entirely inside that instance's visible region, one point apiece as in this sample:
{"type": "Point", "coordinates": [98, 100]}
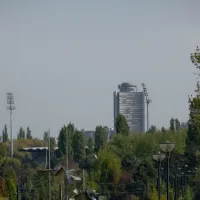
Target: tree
{"type": "Point", "coordinates": [129, 162]}
{"type": "Point", "coordinates": [71, 127]}
{"type": "Point", "coordinates": [163, 130]}
{"type": "Point", "coordinates": [107, 167]}
{"type": "Point", "coordinates": [3, 191]}
{"type": "Point", "coordinates": [154, 195]}
{"type": "Point", "coordinates": [193, 132]}
{"type": "Point", "coordinates": [100, 137]}
{"type": "Point", "coordinates": [11, 188]}
{"type": "Point", "coordinates": [177, 124]}
{"type": "Point", "coordinates": [28, 133]}
{"type": "Point", "coordinates": [172, 127]}
{"type": "Point", "coordinates": [90, 144]}
{"type": "Point", "coordinates": [54, 160]}
{"type": "Point", "coordinates": [195, 58]}
{"type": "Point", "coordinates": [46, 136]}
{"type": "Point", "coordinates": [78, 146]}
{"type": "Point", "coordinates": [62, 140]}
{"type": "Point", "coordinates": [144, 173]}
{"type": "Point", "coordinates": [152, 129]}
{"type": "Point", "coordinates": [21, 134]}
{"type": "Point", "coordinates": [189, 193]}
{"type": "Point", "coordinates": [5, 134]}
{"type": "Point", "coordinates": [3, 150]}
{"type": "Point", "coordinates": [9, 166]}
{"type": "Point", "coordinates": [65, 137]}
{"type": "Point", "coordinates": [42, 187]}
{"type": "Point", "coordinates": [121, 125]}
{"type": "Point", "coordinates": [70, 131]}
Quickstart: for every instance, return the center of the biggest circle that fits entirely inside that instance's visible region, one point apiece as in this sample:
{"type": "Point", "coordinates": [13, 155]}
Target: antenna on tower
{"type": "Point", "coordinates": [148, 101]}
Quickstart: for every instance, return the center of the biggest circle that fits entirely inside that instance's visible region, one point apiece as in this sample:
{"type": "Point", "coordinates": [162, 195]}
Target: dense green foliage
{"type": "Point", "coordinates": [172, 125]}
{"type": "Point", "coordinates": [122, 166]}
{"type": "Point", "coordinates": [28, 133]}
{"type": "Point", "coordinates": [100, 137]}
{"type": "Point", "coordinates": [121, 125]}
{"type": "Point", "coordinates": [78, 146]}
{"type": "Point", "coordinates": [45, 136]}
{"type": "Point", "coordinates": [5, 134]}
{"type": "Point", "coordinates": [90, 143]}
{"type": "Point", "coordinates": [21, 133]}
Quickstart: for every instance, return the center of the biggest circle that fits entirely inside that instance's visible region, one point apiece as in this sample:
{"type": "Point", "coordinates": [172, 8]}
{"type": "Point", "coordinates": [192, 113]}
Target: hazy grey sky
{"type": "Point", "coordinates": [63, 59]}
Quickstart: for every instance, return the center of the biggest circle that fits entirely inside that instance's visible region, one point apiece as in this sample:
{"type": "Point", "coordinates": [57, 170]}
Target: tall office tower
{"type": "Point", "coordinates": [130, 103]}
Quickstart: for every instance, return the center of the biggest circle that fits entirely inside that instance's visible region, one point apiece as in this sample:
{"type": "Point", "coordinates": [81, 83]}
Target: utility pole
{"type": "Point", "coordinates": [148, 101]}
{"type": "Point", "coordinates": [83, 180]}
{"type": "Point", "coordinates": [10, 107]}
{"type": "Point", "coordinates": [61, 192]}
{"type": "Point", "coordinates": [67, 168]}
{"type": "Point", "coordinates": [49, 148]}
{"type": "Point", "coordinates": [46, 157]}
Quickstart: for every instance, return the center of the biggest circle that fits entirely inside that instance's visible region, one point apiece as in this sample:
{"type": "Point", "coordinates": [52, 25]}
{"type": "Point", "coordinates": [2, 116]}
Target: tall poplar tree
{"type": "Point", "coordinates": [5, 134]}
{"type": "Point", "coordinates": [122, 125]}
{"type": "Point", "coordinates": [100, 137]}
{"type": "Point", "coordinates": [21, 133]}
{"type": "Point", "coordinates": [28, 133]}
{"type": "Point", "coordinates": [193, 133]}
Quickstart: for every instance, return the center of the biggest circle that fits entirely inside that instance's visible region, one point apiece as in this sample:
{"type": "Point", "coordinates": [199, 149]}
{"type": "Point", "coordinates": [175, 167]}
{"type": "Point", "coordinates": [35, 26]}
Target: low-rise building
{"type": "Point", "coordinates": [91, 133]}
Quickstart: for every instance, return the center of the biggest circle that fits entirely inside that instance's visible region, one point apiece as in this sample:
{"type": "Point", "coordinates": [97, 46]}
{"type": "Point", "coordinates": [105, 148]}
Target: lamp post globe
{"type": "Point", "coordinates": [159, 157]}
{"type": "Point", "coordinates": [167, 147]}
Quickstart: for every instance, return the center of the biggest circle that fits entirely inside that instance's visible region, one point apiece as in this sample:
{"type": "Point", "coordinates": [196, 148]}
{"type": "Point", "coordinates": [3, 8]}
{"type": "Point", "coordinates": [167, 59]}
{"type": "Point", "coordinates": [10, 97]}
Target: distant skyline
{"type": "Point", "coordinates": [62, 60]}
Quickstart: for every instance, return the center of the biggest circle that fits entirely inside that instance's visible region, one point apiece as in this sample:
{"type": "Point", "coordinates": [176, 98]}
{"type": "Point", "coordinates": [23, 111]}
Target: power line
{"type": "Point", "coordinates": [148, 101]}
{"type": "Point", "coordinates": [10, 107]}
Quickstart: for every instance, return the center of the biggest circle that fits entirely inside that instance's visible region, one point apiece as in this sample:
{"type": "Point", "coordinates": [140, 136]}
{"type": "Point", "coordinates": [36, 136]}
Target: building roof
{"type": "Point", "coordinates": [34, 149]}
{"type": "Point", "coordinates": [71, 178]}
{"type": "Point", "coordinates": [125, 86]}
{"type": "Point", "coordinates": [75, 178]}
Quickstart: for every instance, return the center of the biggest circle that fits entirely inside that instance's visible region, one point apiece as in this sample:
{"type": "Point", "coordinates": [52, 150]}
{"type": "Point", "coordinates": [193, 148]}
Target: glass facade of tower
{"type": "Point", "coordinates": [130, 103]}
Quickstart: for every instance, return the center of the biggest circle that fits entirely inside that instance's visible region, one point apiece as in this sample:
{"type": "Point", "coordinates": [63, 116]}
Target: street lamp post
{"type": "Point", "coordinates": [167, 147]}
{"type": "Point", "coordinates": [185, 182]}
{"type": "Point", "coordinates": [176, 187]}
{"type": "Point", "coordinates": [159, 158]}
{"type": "Point", "coordinates": [177, 182]}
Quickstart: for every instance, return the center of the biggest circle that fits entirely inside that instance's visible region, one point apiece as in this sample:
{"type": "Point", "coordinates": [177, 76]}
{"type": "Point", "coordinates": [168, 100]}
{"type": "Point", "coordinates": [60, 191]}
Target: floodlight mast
{"type": "Point", "coordinates": [148, 101]}
{"type": "Point", "coordinates": [10, 107]}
